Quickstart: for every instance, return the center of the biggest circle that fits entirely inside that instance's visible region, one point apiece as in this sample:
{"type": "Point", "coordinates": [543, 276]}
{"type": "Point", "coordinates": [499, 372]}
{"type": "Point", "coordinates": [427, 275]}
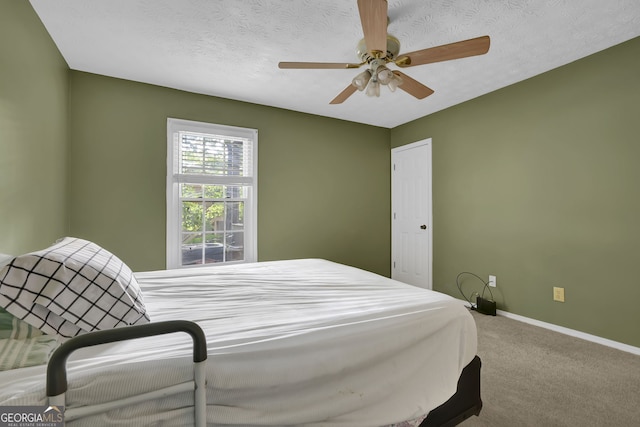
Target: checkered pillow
{"type": "Point", "coordinates": [72, 287]}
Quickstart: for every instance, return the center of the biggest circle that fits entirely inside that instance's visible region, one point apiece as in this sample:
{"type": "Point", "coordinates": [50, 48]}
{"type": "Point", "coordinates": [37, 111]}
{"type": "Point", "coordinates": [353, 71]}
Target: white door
{"type": "Point", "coordinates": [411, 238]}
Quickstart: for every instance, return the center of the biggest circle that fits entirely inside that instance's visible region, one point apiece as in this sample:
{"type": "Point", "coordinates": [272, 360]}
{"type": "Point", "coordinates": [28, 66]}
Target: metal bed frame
{"type": "Point", "coordinates": [57, 372]}
{"type": "Point", "coordinates": [462, 405]}
{"type": "Point", "coordinates": [465, 403]}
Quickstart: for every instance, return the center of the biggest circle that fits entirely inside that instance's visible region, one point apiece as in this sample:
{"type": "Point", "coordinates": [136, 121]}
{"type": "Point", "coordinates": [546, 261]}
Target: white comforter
{"type": "Point", "coordinates": [302, 342]}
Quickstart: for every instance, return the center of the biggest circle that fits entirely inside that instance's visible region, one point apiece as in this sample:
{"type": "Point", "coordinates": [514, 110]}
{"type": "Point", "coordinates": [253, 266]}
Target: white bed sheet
{"type": "Point", "coordinates": [300, 342]}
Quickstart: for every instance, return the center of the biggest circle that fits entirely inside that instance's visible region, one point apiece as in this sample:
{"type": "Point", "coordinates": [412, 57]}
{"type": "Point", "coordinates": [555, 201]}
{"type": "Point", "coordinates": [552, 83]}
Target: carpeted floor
{"type": "Point", "coordinates": [535, 377]}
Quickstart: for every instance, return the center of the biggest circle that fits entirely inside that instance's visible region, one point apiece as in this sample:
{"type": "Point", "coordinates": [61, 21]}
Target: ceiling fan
{"type": "Point", "coordinates": [378, 48]}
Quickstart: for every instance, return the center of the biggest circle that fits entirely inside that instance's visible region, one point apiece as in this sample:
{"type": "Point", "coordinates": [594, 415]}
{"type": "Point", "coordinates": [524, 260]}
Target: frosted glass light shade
{"type": "Point", "coordinates": [360, 81]}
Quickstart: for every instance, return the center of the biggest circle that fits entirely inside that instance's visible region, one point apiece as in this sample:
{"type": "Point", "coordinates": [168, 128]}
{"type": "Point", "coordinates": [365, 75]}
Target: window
{"type": "Point", "coordinates": [211, 194]}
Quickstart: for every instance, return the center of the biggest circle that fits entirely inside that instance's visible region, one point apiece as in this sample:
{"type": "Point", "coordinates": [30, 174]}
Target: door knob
{"type": "Point", "coordinates": [423, 227]}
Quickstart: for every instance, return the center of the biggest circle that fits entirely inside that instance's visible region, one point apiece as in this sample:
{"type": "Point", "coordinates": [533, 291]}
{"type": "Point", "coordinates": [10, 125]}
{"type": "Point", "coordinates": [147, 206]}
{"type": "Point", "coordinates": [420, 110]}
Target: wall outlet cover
{"type": "Point", "coordinates": [492, 281]}
{"type": "Point", "coordinates": [558, 294]}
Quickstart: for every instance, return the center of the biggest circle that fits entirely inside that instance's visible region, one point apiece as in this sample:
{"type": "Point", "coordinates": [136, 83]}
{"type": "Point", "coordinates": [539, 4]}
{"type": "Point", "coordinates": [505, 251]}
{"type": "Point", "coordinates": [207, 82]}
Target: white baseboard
{"type": "Point", "coordinates": [571, 332]}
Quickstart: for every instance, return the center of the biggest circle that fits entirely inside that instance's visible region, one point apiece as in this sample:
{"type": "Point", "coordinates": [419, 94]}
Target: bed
{"type": "Point", "coordinates": [298, 342]}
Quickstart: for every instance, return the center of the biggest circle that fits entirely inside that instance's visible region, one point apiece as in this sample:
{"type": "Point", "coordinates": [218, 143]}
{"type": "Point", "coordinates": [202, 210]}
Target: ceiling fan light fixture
{"type": "Point", "coordinates": [394, 83]}
{"type": "Point", "coordinates": [384, 75]}
{"type": "Point", "coordinates": [361, 80]}
{"type": "Point", "coordinates": [373, 88]}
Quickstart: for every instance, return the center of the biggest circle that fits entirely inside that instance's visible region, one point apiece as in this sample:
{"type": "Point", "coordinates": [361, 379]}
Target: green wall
{"type": "Point", "coordinates": [539, 184]}
{"type": "Point", "coordinates": [323, 184]}
{"type": "Point", "coordinates": [33, 132]}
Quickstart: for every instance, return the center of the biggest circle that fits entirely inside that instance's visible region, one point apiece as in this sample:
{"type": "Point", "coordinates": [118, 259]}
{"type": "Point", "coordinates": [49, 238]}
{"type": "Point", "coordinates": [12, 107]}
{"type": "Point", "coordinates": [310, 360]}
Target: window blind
{"type": "Point", "coordinates": [214, 155]}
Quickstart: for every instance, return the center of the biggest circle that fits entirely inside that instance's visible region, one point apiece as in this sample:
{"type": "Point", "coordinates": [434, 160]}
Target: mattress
{"type": "Point", "coordinates": [300, 342]}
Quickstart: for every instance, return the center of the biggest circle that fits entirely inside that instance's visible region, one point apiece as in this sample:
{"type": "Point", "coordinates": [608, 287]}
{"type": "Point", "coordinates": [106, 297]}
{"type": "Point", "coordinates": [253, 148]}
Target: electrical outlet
{"type": "Point", "coordinates": [558, 294]}
{"type": "Point", "coordinates": [492, 281]}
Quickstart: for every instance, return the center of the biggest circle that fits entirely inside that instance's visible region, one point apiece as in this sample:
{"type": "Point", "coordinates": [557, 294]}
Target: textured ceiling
{"type": "Point", "coordinates": [231, 48]}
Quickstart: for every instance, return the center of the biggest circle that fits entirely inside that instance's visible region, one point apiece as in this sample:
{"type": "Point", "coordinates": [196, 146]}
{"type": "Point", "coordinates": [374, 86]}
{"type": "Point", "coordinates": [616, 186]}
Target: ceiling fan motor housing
{"type": "Point", "coordinates": [393, 48]}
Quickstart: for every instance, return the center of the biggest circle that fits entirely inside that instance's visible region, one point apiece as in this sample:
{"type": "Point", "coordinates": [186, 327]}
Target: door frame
{"type": "Point", "coordinates": [428, 143]}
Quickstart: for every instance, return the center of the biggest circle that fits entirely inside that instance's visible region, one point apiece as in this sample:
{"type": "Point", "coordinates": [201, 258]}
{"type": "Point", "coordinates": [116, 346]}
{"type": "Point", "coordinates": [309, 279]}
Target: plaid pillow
{"type": "Point", "coordinates": [72, 287]}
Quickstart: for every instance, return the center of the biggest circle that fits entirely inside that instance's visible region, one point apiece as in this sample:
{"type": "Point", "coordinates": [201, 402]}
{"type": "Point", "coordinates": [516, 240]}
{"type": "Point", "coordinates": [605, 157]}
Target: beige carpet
{"type": "Point", "coordinates": [532, 376]}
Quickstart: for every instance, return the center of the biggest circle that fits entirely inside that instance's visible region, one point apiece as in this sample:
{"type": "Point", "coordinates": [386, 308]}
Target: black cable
{"type": "Point", "coordinates": [486, 286]}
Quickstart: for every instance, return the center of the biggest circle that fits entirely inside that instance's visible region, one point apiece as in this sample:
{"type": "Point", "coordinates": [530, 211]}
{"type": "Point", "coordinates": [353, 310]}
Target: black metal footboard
{"type": "Point", "coordinates": [462, 405]}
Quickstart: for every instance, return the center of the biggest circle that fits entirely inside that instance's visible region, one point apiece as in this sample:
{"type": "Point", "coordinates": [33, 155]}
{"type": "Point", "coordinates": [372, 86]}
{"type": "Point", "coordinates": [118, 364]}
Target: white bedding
{"type": "Point", "coordinates": [301, 342]}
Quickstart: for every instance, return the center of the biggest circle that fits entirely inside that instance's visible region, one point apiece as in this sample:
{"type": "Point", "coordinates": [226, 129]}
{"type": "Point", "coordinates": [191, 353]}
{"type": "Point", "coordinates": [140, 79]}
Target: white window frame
{"type": "Point", "coordinates": [174, 211]}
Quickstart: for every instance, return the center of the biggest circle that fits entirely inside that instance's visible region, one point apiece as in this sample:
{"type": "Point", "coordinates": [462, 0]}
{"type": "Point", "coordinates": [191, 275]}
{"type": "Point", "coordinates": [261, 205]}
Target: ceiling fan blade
{"type": "Point", "coordinates": [342, 96]}
{"type": "Point", "coordinates": [446, 52]}
{"type": "Point", "coordinates": [413, 87]}
{"type": "Point", "coordinates": [317, 65]}
{"type": "Point", "coordinates": [373, 16]}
